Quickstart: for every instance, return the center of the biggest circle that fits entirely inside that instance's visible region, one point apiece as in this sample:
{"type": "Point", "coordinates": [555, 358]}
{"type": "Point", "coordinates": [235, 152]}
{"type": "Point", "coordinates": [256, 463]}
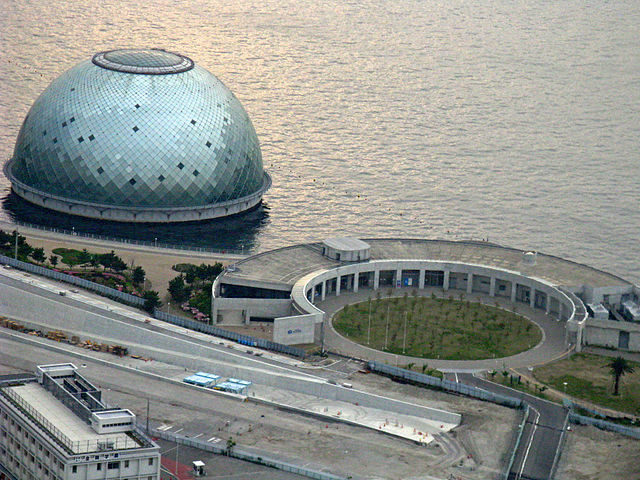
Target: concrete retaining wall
{"type": "Point", "coordinates": [294, 330]}
{"type": "Point", "coordinates": [606, 333]}
{"type": "Point", "coordinates": [245, 308]}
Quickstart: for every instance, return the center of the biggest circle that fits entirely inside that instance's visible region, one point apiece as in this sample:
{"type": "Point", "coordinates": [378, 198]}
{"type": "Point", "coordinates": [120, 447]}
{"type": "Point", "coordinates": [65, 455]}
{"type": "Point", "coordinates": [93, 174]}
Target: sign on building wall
{"type": "Point", "coordinates": [294, 330]}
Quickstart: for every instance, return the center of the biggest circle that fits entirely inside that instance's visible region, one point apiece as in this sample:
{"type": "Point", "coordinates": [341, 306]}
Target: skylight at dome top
{"type": "Point", "coordinates": [141, 135]}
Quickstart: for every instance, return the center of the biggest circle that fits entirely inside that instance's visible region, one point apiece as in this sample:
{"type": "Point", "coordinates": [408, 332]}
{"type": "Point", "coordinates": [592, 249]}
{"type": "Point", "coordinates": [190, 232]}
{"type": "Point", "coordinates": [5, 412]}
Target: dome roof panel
{"type": "Point", "coordinates": [93, 125]}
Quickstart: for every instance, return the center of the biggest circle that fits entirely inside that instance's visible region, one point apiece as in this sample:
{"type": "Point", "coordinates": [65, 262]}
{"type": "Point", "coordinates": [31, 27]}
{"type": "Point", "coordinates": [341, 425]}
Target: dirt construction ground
{"type": "Point", "coordinates": [593, 454]}
{"type": "Point", "coordinates": [476, 450]}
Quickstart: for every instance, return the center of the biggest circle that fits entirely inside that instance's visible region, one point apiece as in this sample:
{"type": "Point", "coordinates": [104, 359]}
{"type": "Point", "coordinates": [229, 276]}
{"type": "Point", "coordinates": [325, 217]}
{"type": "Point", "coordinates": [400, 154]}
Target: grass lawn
{"type": "Point", "coordinates": [437, 328]}
{"type": "Point", "coordinates": [588, 378]}
{"type": "Point", "coordinates": [69, 254]}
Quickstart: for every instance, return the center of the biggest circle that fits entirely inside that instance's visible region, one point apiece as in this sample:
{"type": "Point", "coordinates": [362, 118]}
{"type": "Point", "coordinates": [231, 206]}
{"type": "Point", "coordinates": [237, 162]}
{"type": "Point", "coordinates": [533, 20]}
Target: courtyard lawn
{"type": "Point", "coordinates": [437, 328]}
{"type": "Point", "coordinates": [588, 378]}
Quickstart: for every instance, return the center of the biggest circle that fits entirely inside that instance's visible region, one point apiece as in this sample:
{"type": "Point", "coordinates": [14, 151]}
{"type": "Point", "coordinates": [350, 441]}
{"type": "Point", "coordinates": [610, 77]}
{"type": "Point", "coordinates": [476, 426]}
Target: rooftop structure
{"type": "Point", "coordinates": [55, 425]}
{"type": "Point", "coordinates": [286, 283]}
{"type": "Point", "coordinates": [138, 135]}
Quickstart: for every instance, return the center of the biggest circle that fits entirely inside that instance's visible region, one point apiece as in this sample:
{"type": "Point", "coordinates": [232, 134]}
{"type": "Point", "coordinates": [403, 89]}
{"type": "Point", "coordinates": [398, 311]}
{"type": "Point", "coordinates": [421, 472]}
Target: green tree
{"type": "Point", "coordinates": [617, 368]}
{"type": "Point", "coordinates": [230, 444]}
{"type": "Point", "coordinates": [178, 289]}
{"type": "Point", "coordinates": [190, 275]}
{"type": "Point", "coordinates": [83, 257]}
{"type": "Point", "coordinates": [138, 275]}
{"type": "Point", "coordinates": [24, 249]}
{"type": "Point", "coordinates": [70, 260]}
{"type": "Point", "coordinates": [94, 261]}
{"type": "Point", "coordinates": [38, 255]}
{"type": "Point", "coordinates": [5, 240]}
{"type": "Point", "coordinates": [118, 265]}
{"type": "Point", "coordinates": [151, 300]}
{"type": "Point", "coordinates": [53, 260]}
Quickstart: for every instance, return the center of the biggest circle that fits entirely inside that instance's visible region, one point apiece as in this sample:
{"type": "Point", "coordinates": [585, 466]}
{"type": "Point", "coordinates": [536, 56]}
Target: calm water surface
{"type": "Point", "coordinates": [516, 121]}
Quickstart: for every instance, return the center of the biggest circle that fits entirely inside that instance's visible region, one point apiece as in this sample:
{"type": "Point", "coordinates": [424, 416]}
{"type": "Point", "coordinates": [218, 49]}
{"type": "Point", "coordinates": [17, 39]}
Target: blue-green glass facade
{"type": "Point", "coordinates": [141, 129]}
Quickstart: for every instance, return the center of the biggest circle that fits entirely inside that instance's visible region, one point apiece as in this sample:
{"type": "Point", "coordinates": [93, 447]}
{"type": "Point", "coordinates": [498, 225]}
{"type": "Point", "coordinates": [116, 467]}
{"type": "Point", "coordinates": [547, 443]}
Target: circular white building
{"type": "Point", "coordinates": [139, 135]}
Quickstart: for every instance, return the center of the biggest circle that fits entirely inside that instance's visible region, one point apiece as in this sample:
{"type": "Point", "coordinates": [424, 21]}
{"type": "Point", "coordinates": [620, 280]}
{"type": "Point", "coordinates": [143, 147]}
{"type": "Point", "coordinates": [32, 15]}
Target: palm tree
{"type": "Point", "coordinates": [618, 367]}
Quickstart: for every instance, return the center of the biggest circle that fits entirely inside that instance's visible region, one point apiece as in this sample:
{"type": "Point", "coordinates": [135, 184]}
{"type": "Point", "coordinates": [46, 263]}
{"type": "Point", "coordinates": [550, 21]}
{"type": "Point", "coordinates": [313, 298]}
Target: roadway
{"type": "Point", "coordinates": [541, 436]}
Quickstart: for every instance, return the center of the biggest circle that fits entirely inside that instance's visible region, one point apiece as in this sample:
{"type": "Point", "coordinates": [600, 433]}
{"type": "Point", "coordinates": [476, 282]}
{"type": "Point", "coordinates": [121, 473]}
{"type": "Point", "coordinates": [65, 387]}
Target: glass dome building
{"type": "Point", "coordinates": [139, 135]}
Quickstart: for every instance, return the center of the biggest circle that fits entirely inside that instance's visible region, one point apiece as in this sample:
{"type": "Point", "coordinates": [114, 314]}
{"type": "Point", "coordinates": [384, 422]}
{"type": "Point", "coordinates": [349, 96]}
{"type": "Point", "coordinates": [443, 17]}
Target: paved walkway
{"type": "Point", "coordinates": [551, 347]}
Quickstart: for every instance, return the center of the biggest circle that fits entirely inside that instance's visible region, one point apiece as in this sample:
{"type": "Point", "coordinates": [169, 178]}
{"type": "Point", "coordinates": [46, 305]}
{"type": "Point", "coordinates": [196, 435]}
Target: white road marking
{"type": "Point", "coordinates": [456, 374]}
{"type": "Point", "coordinates": [178, 431]}
{"type": "Point", "coordinates": [212, 438]}
{"type": "Point", "coordinates": [533, 432]}
{"type": "Point", "coordinates": [198, 435]}
{"type": "Point", "coordinates": [164, 428]}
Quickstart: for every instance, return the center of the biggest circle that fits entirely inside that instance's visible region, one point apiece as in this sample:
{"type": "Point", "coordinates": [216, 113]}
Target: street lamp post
{"type": "Point", "coordinates": [155, 242]}
{"type": "Point", "coordinates": [404, 341]}
{"type": "Point", "coordinates": [386, 333]}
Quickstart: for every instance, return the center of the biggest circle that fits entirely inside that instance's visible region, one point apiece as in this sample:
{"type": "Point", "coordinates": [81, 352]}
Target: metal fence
{"type": "Point", "coordinates": [80, 282]}
{"type": "Point", "coordinates": [239, 453]}
{"type": "Point", "coordinates": [516, 444]}
{"type": "Point", "coordinates": [604, 425]}
{"type": "Point", "coordinates": [563, 439]}
{"type": "Point", "coordinates": [447, 385]}
{"type": "Point", "coordinates": [220, 332]}
{"type": "Point", "coordinates": [128, 241]}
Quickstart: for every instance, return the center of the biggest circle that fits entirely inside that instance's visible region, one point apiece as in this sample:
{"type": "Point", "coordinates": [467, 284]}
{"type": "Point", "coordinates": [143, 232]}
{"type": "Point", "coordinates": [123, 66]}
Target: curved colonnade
{"type": "Point", "coordinates": [561, 304]}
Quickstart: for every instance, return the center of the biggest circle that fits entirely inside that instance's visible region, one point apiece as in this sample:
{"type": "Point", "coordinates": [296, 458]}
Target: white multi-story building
{"type": "Point", "coordinates": [55, 426]}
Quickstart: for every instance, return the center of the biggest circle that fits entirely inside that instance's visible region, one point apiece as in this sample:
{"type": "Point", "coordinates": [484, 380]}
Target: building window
{"type": "Point", "coordinates": [99, 466]}
{"type": "Point", "coordinates": [151, 461]}
{"type": "Point", "coordinates": [74, 469]}
{"type": "Point", "coordinates": [126, 464]}
{"type": "Point", "coordinates": [113, 465]}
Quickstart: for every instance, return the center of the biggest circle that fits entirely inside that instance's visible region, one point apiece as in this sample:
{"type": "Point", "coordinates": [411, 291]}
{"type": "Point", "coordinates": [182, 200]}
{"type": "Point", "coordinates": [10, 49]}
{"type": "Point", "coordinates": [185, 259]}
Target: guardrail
{"type": "Point", "coordinates": [455, 387]}
{"type": "Point", "coordinates": [237, 452]}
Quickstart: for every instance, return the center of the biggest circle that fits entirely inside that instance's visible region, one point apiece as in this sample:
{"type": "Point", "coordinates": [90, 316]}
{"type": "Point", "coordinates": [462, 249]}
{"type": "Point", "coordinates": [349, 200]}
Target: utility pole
{"type": "Point", "coordinates": [147, 415]}
{"type": "Point", "coordinates": [16, 252]}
